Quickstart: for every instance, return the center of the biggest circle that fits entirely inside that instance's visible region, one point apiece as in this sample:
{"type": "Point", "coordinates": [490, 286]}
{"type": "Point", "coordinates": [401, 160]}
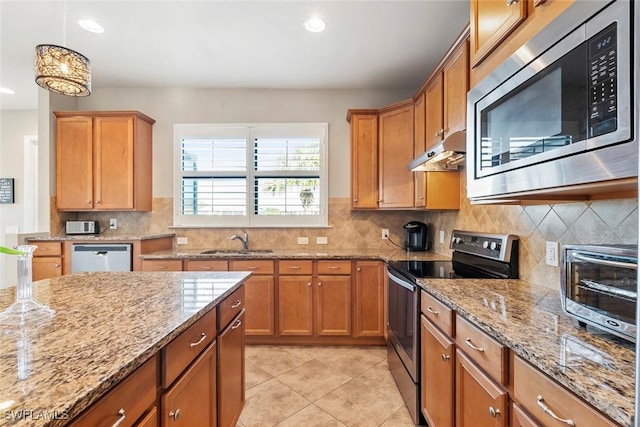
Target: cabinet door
{"type": "Point", "coordinates": [191, 401]}
{"type": "Point", "coordinates": [434, 105]}
{"type": "Point", "coordinates": [364, 161]}
{"type": "Point", "coordinates": [333, 305]}
{"type": "Point", "coordinates": [113, 175]}
{"type": "Point", "coordinates": [259, 295]}
{"type": "Point", "coordinates": [149, 420]}
{"type": "Point", "coordinates": [442, 190]}
{"type": "Point", "coordinates": [480, 401]}
{"type": "Point", "coordinates": [491, 22]}
{"type": "Point", "coordinates": [46, 267]}
{"type": "Point", "coordinates": [74, 163]}
{"type": "Point", "coordinates": [369, 299]}
{"type": "Point", "coordinates": [419, 146]}
{"type": "Point", "coordinates": [295, 305]}
{"type": "Point", "coordinates": [519, 418]}
{"type": "Point", "coordinates": [395, 151]}
{"type": "Point", "coordinates": [456, 86]}
{"type": "Point", "coordinates": [437, 382]}
{"type": "Point", "coordinates": [231, 373]}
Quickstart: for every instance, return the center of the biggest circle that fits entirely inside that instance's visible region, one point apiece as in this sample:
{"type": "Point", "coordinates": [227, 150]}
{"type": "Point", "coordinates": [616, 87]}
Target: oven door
{"type": "Point", "coordinates": [601, 289]}
{"type": "Point", "coordinates": [402, 326]}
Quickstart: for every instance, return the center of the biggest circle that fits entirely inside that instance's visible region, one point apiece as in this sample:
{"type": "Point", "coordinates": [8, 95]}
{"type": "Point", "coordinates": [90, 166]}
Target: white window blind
{"type": "Point", "coordinates": [251, 175]}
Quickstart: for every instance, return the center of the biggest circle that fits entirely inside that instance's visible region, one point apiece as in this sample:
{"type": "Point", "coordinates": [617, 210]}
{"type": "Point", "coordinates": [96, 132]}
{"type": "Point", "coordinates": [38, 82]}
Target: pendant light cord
{"type": "Point", "coordinates": [64, 23]}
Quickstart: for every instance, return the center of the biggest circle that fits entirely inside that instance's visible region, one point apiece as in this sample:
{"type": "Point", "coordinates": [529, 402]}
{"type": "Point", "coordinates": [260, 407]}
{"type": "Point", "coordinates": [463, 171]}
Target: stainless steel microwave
{"type": "Point", "coordinates": [599, 286]}
{"type": "Point", "coordinates": [562, 111]}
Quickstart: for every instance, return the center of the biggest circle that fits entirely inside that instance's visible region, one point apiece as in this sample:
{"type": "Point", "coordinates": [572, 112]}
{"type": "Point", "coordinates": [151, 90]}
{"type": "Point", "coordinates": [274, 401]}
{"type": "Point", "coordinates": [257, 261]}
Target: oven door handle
{"type": "Point", "coordinates": [408, 285]}
{"type": "Point", "coordinates": [586, 258]}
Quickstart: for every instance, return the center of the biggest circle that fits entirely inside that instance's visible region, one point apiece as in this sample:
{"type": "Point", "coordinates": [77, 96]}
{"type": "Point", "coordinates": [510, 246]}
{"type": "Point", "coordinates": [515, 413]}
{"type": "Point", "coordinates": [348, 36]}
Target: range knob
{"type": "Point", "coordinates": [485, 244]}
{"type": "Point", "coordinates": [493, 246]}
{"type": "Point", "coordinates": [456, 239]}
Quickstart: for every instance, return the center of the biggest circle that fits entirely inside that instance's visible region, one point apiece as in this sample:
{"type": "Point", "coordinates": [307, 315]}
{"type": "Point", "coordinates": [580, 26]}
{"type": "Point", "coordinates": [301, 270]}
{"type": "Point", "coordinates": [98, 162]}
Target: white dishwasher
{"type": "Point", "coordinates": [101, 257]}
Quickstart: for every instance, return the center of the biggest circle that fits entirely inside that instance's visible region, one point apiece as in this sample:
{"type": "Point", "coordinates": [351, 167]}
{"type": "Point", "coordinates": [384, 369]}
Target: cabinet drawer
{"type": "Point", "coordinates": [294, 266]}
{"type": "Point", "coordinates": [47, 249]}
{"type": "Point", "coordinates": [256, 266]}
{"type": "Point", "coordinates": [535, 392]}
{"type": "Point", "coordinates": [334, 267]}
{"type": "Point", "coordinates": [180, 352]}
{"type": "Point", "coordinates": [489, 354]}
{"type": "Point", "coordinates": [129, 399]}
{"type": "Point", "coordinates": [206, 265]}
{"type": "Point", "coordinates": [162, 265]}
{"type": "Point", "coordinates": [230, 307]}
{"type": "Point", "coordinates": [519, 418]}
{"type": "Point", "coordinates": [437, 312]}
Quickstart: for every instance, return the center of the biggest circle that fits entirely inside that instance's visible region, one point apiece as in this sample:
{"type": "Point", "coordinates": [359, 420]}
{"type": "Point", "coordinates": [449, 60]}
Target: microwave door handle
{"type": "Point", "coordinates": [607, 262]}
{"type": "Point", "coordinates": [401, 282]}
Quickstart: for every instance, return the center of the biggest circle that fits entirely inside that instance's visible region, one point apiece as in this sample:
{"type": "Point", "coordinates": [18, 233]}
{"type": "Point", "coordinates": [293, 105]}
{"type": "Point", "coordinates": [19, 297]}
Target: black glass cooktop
{"type": "Point", "coordinates": [480, 268]}
{"type": "Point", "coordinates": [425, 269]}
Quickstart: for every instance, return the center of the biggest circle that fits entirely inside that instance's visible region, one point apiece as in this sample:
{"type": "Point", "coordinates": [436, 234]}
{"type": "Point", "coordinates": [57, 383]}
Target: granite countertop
{"type": "Point", "coordinates": [529, 320]}
{"type": "Point", "coordinates": [105, 326]}
{"type": "Point", "coordinates": [379, 254]}
{"type": "Point", "coordinates": [99, 237]}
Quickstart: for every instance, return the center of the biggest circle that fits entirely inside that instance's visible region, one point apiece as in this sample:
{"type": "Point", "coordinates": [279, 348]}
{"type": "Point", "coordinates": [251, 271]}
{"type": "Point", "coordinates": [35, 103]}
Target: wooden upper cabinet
{"type": "Point", "coordinates": [103, 161]}
{"type": "Point", "coordinates": [435, 111]}
{"type": "Point", "coordinates": [419, 145]}
{"type": "Point", "coordinates": [456, 86]}
{"type": "Point", "coordinates": [491, 22]}
{"type": "Point", "coordinates": [364, 158]}
{"type": "Point", "coordinates": [395, 151]}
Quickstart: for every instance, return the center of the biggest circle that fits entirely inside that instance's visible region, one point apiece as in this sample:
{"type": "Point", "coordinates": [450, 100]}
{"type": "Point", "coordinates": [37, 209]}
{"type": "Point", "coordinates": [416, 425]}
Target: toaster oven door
{"type": "Point", "coordinates": [602, 289]}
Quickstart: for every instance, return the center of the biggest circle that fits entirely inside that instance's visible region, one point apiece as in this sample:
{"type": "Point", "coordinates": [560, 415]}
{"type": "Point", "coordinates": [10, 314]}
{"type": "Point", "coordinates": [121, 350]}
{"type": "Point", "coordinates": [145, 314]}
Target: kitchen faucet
{"type": "Point", "coordinates": [244, 239]}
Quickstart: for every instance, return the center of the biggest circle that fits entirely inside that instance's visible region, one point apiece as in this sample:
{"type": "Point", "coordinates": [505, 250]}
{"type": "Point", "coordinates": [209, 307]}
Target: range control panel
{"type": "Point", "coordinates": [494, 246]}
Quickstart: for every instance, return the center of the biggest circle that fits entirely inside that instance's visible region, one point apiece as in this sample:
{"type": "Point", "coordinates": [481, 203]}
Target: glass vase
{"type": "Point", "coordinates": [25, 309]}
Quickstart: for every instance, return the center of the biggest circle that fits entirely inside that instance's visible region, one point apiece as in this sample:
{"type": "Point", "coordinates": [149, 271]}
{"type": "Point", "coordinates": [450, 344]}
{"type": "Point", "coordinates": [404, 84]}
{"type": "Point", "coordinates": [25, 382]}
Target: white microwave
{"type": "Point", "coordinates": [562, 111]}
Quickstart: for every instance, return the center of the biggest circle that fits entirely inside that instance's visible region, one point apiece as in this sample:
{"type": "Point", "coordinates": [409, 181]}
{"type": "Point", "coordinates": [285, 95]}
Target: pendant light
{"type": "Point", "coordinates": [62, 70]}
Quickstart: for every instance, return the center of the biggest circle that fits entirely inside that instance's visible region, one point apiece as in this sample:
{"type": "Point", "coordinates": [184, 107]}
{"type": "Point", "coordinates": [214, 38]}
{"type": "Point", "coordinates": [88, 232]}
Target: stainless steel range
{"type": "Point", "coordinates": [475, 255]}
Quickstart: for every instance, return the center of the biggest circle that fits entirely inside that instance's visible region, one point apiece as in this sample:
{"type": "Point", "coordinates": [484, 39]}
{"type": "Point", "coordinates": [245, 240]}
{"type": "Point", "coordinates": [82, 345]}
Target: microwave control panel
{"type": "Point", "coordinates": [603, 60]}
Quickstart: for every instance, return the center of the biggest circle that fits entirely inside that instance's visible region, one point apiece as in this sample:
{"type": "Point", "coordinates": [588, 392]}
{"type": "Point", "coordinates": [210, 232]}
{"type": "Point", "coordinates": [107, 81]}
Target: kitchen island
{"type": "Point", "coordinates": [106, 326]}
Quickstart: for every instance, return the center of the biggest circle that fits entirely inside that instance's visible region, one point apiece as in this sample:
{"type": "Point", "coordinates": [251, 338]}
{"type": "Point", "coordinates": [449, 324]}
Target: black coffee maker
{"type": "Point", "coordinates": [416, 237]}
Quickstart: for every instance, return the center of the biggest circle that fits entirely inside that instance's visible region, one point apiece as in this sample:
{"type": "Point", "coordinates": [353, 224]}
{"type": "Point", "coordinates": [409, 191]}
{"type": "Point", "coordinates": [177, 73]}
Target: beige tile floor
{"type": "Point", "coordinates": [292, 386]}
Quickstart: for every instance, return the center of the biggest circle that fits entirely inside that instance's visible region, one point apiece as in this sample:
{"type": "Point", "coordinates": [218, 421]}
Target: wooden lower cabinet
{"type": "Point", "coordinates": [520, 418]}
{"type": "Point", "coordinates": [191, 400]}
{"type": "Point", "coordinates": [150, 420]}
{"type": "Point", "coordinates": [333, 305]}
{"type": "Point", "coordinates": [437, 381]}
{"type": "Point", "coordinates": [260, 305]}
{"type": "Point", "coordinates": [295, 305]}
{"type": "Point", "coordinates": [231, 372]}
{"type": "Point", "coordinates": [369, 299]}
{"type": "Point", "coordinates": [46, 268]}
{"type": "Point", "coordinates": [480, 401]}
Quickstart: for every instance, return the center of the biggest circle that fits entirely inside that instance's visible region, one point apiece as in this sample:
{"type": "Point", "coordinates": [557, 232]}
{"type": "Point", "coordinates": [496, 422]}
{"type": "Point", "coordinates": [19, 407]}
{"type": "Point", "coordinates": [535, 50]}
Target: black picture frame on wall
{"type": "Point", "coordinates": [7, 194]}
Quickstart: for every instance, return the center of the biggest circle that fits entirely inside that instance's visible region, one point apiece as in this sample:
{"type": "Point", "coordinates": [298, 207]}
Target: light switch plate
{"type": "Point", "coordinates": [182, 240]}
{"type": "Point", "coordinates": [321, 240]}
{"type": "Point", "coordinates": [303, 240]}
{"type": "Point", "coordinates": [441, 236]}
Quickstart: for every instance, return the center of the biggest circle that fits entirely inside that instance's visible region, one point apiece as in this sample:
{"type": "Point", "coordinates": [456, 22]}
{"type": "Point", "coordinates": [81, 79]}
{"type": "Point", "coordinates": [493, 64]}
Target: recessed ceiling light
{"type": "Point", "coordinates": [315, 25]}
{"type": "Point", "coordinates": [6, 90]}
{"type": "Point", "coordinates": [91, 26]}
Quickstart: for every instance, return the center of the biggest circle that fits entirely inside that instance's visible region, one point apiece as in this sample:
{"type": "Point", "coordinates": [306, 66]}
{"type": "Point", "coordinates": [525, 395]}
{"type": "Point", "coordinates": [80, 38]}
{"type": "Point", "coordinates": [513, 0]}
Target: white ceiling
{"type": "Point", "coordinates": [368, 44]}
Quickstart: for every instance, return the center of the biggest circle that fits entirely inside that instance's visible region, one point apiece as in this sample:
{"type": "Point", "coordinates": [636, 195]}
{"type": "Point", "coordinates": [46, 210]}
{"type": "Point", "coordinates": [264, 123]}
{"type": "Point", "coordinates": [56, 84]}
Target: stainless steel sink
{"type": "Point", "coordinates": [235, 251]}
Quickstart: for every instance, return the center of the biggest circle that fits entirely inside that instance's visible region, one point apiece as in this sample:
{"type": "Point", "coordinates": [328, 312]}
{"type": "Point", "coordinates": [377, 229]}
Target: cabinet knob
{"type": "Point", "coordinates": [97, 202]}
{"type": "Point", "coordinates": [494, 412]}
{"type": "Point", "coordinates": [548, 411]}
{"type": "Point", "coordinates": [88, 202]}
{"type": "Point", "coordinates": [355, 200]}
{"type": "Point", "coordinates": [319, 283]}
{"type": "Point", "coordinates": [309, 284]}
{"type": "Point", "coordinates": [56, 265]}
{"type": "Point", "coordinates": [510, 2]}
{"type": "Point", "coordinates": [121, 419]}
{"type": "Point", "coordinates": [358, 269]}
{"type": "Point", "coordinates": [175, 414]}
{"type": "Point", "coordinates": [445, 357]}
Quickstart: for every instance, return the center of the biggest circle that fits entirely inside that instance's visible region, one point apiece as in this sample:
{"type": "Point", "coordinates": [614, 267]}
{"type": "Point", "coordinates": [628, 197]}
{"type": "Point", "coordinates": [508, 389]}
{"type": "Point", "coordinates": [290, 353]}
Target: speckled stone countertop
{"type": "Point", "coordinates": [105, 326]}
{"type": "Point", "coordinates": [529, 320]}
{"type": "Point", "coordinates": [99, 237]}
{"type": "Point", "coordinates": [380, 254]}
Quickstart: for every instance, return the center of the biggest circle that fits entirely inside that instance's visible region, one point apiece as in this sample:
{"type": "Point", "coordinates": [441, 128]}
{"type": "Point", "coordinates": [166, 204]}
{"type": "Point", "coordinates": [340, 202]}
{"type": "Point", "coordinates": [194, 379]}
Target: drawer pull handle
{"type": "Point", "coordinates": [334, 267]}
{"type": "Point", "coordinates": [237, 324]}
{"type": "Point", "coordinates": [294, 267]}
{"type": "Point", "coordinates": [445, 357]}
{"type": "Point", "coordinates": [203, 337]}
{"type": "Point", "coordinates": [161, 267]}
{"type": "Point", "coordinates": [470, 344]}
{"type": "Point", "coordinates": [432, 311]}
{"type": "Point", "coordinates": [237, 304]}
{"type": "Point", "coordinates": [121, 419]}
{"type": "Point", "coordinates": [252, 268]}
{"type": "Point", "coordinates": [494, 412]}
{"type": "Point", "coordinates": [175, 415]}
{"type": "Point", "coordinates": [510, 2]}
{"type": "Point", "coordinates": [548, 411]}
{"type": "Point", "coordinates": [206, 268]}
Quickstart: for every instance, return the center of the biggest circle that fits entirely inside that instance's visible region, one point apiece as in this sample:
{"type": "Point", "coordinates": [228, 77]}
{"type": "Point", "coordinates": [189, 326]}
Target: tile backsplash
{"type": "Point", "coordinates": [603, 221]}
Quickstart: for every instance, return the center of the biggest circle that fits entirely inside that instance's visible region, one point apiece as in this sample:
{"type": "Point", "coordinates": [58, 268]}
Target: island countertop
{"type": "Point", "coordinates": [105, 326]}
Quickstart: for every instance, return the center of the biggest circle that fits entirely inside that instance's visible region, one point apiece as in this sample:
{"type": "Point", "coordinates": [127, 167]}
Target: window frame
{"type": "Point", "coordinates": [250, 131]}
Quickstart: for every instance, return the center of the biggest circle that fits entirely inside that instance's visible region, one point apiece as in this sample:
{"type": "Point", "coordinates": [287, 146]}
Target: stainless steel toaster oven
{"type": "Point", "coordinates": [599, 286]}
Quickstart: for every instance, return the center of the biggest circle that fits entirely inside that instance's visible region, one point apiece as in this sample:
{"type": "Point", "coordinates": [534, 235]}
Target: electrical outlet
{"type": "Point", "coordinates": [552, 254]}
{"type": "Point", "coordinates": [441, 236]}
{"type": "Point", "coordinates": [303, 240]}
{"type": "Point", "coordinates": [385, 233]}
{"type": "Point", "coordinates": [321, 240]}
{"type": "Point", "coordinates": [182, 240]}
{"type": "Point", "coordinates": [113, 224]}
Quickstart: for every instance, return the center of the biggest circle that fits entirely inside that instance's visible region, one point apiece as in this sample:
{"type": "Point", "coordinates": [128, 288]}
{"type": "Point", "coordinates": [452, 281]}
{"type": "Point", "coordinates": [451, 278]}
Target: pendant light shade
{"type": "Point", "coordinates": [62, 70]}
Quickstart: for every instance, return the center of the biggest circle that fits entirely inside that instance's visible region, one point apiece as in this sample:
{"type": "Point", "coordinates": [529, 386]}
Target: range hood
{"type": "Point", "coordinates": [446, 155]}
